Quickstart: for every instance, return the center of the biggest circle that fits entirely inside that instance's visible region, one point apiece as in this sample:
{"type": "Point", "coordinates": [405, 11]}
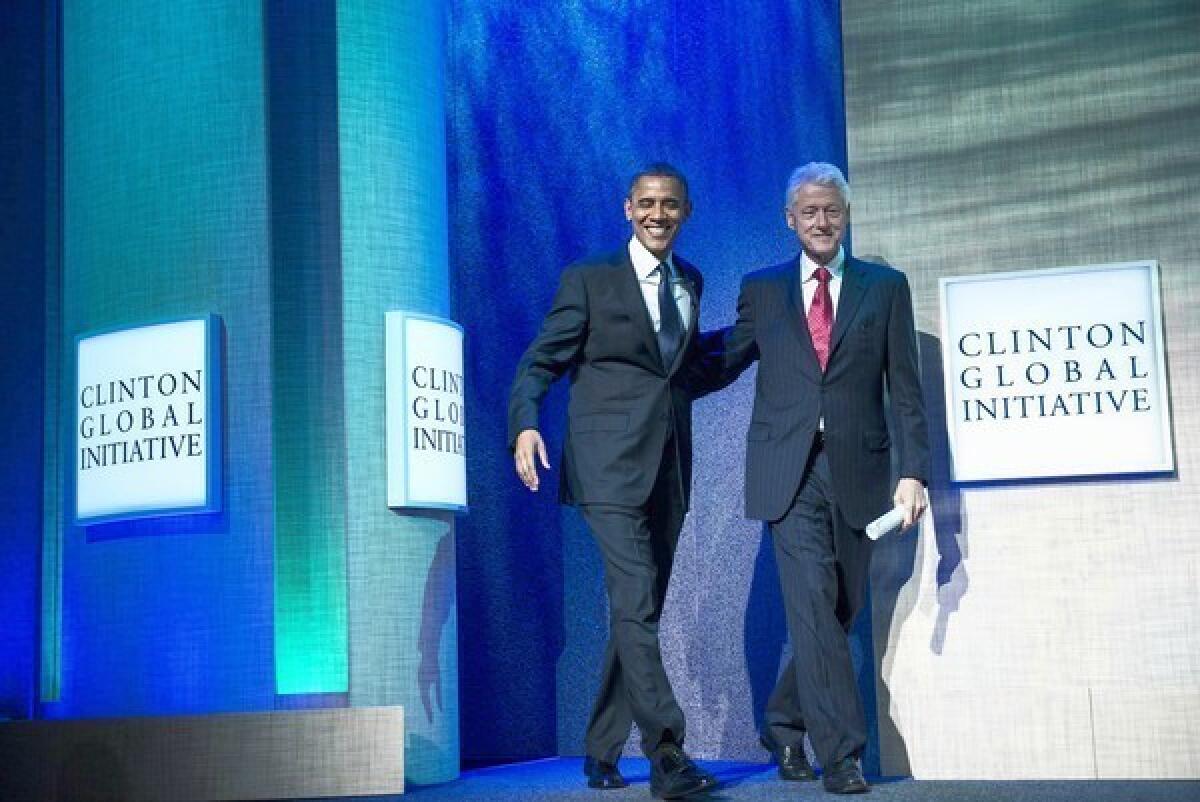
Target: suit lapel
{"type": "Point", "coordinates": [854, 286]}
{"type": "Point", "coordinates": [791, 278]}
{"type": "Point", "coordinates": [630, 293]}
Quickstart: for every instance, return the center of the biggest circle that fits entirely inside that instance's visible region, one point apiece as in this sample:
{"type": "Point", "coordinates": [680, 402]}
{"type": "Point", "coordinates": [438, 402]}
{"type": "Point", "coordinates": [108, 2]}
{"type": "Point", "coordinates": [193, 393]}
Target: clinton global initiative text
{"type": "Point", "coordinates": [143, 449]}
{"type": "Point", "coordinates": [1085, 402]}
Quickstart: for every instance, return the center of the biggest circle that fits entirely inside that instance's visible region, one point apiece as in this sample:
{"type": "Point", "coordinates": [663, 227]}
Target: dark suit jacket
{"type": "Point", "coordinates": [873, 344]}
{"type": "Point", "coordinates": [623, 402]}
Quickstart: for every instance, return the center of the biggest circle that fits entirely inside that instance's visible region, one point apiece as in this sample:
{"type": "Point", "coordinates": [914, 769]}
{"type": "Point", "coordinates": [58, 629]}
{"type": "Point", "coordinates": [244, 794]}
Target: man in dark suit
{"type": "Point", "coordinates": [623, 326]}
{"type": "Point", "coordinates": [831, 333]}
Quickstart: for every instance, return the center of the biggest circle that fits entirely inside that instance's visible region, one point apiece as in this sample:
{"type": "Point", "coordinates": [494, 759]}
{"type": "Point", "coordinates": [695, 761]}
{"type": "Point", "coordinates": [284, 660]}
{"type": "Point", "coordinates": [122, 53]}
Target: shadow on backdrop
{"type": "Point", "coordinates": [437, 603]}
{"type": "Point", "coordinates": [896, 581]}
{"type": "Point", "coordinates": [945, 498]}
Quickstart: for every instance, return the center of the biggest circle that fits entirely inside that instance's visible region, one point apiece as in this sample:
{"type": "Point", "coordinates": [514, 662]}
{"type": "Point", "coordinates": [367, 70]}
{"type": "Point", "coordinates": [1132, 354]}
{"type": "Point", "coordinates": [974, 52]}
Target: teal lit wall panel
{"type": "Point", "coordinates": [283, 166]}
{"type": "Point", "coordinates": [400, 568]}
{"type": "Point", "coordinates": [164, 204]}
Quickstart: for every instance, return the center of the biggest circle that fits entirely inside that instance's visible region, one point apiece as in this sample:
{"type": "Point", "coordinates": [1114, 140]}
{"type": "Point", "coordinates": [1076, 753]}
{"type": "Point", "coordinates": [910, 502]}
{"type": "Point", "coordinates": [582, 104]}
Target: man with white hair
{"type": "Point", "coordinates": [831, 332]}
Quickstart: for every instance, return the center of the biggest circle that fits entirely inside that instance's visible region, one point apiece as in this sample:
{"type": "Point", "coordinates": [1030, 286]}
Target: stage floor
{"type": "Point", "coordinates": [561, 780]}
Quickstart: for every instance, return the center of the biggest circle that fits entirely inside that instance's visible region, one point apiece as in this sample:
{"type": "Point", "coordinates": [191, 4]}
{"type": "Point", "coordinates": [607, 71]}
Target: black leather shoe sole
{"type": "Point", "coordinates": [851, 783]}
{"type": "Point", "coordinates": [679, 787]}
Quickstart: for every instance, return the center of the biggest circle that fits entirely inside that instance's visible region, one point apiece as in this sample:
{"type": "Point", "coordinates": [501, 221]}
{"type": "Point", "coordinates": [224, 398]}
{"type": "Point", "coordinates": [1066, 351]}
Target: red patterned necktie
{"type": "Point", "coordinates": [820, 316]}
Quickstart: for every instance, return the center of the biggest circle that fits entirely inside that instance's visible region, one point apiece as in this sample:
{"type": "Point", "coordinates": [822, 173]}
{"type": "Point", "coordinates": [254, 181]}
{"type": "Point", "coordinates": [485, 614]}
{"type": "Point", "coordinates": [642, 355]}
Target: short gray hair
{"type": "Point", "coordinates": [820, 173]}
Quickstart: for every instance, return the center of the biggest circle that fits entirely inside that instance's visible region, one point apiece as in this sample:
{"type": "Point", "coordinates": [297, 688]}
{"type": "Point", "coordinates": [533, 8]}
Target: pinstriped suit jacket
{"type": "Point", "coordinates": [873, 346]}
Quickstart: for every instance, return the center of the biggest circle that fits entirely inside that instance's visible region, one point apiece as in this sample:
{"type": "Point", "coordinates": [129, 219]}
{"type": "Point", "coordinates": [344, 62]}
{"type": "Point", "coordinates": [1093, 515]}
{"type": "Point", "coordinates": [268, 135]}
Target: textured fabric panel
{"type": "Point", "coordinates": [1005, 136]}
{"type": "Point", "coordinates": [164, 204]}
{"type": "Point", "coordinates": [553, 108]}
{"type": "Point", "coordinates": [400, 567]}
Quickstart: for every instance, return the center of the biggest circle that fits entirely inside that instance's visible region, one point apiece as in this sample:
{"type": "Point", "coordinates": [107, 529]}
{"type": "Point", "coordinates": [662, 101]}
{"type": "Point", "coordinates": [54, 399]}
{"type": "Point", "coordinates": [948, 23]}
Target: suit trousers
{"type": "Point", "coordinates": [638, 547]}
{"type": "Point", "coordinates": [823, 568]}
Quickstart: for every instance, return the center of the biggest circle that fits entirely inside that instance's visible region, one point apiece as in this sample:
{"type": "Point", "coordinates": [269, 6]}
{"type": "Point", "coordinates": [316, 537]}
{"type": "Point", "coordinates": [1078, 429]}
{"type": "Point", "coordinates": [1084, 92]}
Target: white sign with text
{"type": "Point", "coordinates": [1055, 373]}
{"type": "Point", "coordinates": [147, 424]}
{"type": "Point", "coordinates": [426, 437]}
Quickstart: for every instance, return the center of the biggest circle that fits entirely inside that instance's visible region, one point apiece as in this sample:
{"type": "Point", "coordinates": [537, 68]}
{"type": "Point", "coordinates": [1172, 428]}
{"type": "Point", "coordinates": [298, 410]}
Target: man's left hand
{"type": "Point", "coordinates": [911, 494]}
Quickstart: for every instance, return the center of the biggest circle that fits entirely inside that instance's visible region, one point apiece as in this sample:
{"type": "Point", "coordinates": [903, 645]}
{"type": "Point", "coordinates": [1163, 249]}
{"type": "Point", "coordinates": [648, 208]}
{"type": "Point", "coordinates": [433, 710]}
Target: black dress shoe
{"type": "Point", "coordinates": [602, 774]}
{"type": "Point", "coordinates": [673, 774]}
{"type": "Point", "coordinates": [845, 777]}
{"type": "Point", "coordinates": [793, 763]}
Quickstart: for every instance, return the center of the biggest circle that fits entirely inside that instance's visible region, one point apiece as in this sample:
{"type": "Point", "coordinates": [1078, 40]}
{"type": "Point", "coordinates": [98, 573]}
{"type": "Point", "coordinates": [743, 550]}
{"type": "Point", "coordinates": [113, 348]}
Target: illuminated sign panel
{"type": "Point", "coordinates": [147, 422]}
{"type": "Point", "coordinates": [426, 437]}
{"type": "Point", "coordinates": [1058, 372]}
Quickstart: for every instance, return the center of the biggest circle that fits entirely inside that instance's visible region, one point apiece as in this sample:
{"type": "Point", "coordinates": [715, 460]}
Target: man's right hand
{"type": "Point", "coordinates": [528, 451]}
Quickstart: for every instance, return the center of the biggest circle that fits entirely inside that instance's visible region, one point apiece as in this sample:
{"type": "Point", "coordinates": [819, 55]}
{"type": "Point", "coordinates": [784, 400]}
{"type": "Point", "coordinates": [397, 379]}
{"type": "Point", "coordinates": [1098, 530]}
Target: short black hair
{"type": "Point", "coordinates": [661, 169]}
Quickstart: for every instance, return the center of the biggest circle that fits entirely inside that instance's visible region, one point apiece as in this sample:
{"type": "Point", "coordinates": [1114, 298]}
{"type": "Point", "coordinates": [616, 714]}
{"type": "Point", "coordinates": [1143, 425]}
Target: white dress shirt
{"type": "Point", "coordinates": [809, 281]}
{"type": "Point", "coordinates": [645, 266]}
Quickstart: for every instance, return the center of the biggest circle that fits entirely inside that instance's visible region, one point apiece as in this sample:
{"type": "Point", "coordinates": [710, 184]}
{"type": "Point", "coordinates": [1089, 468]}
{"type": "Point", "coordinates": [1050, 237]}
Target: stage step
{"type": "Point", "coordinates": [304, 754]}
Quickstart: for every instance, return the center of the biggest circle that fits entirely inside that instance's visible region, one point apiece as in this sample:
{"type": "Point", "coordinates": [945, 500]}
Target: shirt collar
{"type": "Point", "coordinates": [807, 265]}
{"type": "Point", "coordinates": [644, 262]}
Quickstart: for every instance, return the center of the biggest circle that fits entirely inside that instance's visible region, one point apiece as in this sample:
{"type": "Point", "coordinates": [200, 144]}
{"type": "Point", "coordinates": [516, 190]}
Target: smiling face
{"type": "Point", "coordinates": [656, 207]}
{"type": "Point", "coordinates": [818, 214]}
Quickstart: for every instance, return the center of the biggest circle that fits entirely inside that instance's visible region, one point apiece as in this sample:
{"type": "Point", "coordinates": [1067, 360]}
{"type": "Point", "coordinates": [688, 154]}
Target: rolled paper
{"type": "Point", "coordinates": [888, 522]}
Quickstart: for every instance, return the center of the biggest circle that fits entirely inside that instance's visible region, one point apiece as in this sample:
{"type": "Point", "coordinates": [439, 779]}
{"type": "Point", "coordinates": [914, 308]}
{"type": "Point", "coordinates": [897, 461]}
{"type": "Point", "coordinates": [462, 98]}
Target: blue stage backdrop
{"type": "Point", "coordinates": [552, 107]}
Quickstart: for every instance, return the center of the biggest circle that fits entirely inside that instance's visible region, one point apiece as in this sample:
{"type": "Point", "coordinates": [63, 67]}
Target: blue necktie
{"type": "Point", "coordinates": [670, 326]}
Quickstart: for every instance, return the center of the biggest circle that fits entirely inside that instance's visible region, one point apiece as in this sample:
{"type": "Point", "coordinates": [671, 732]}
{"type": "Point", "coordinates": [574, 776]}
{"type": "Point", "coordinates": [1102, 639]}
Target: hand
{"type": "Point", "coordinates": [528, 451]}
{"type": "Point", "coordinates": [911, 494]}
{"type": "Point", "coordinates": [429, 683]}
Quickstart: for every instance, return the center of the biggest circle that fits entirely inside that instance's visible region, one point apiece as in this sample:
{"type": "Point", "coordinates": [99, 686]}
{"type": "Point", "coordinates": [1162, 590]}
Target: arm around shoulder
{"type": "Point", "coordinates": [724, 354]}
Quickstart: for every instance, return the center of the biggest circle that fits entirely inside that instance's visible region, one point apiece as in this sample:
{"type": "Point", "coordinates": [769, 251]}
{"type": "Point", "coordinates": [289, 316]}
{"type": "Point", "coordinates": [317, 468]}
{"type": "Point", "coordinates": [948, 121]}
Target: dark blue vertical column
{"type": "Point", "coordinates": [311, 649]}
{"type": "Point", "coordinates": [28, 73]}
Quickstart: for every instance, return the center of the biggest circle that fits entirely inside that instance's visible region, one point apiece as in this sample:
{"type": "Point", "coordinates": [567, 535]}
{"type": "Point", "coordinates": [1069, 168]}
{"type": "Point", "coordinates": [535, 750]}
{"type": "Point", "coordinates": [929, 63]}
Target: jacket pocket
{"type": "Point", "coordinates": [876, 441]}
{"type": "Point", "coordinates": [613, 422]}
{"type": "Point", "coordinates": [759, 431]}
